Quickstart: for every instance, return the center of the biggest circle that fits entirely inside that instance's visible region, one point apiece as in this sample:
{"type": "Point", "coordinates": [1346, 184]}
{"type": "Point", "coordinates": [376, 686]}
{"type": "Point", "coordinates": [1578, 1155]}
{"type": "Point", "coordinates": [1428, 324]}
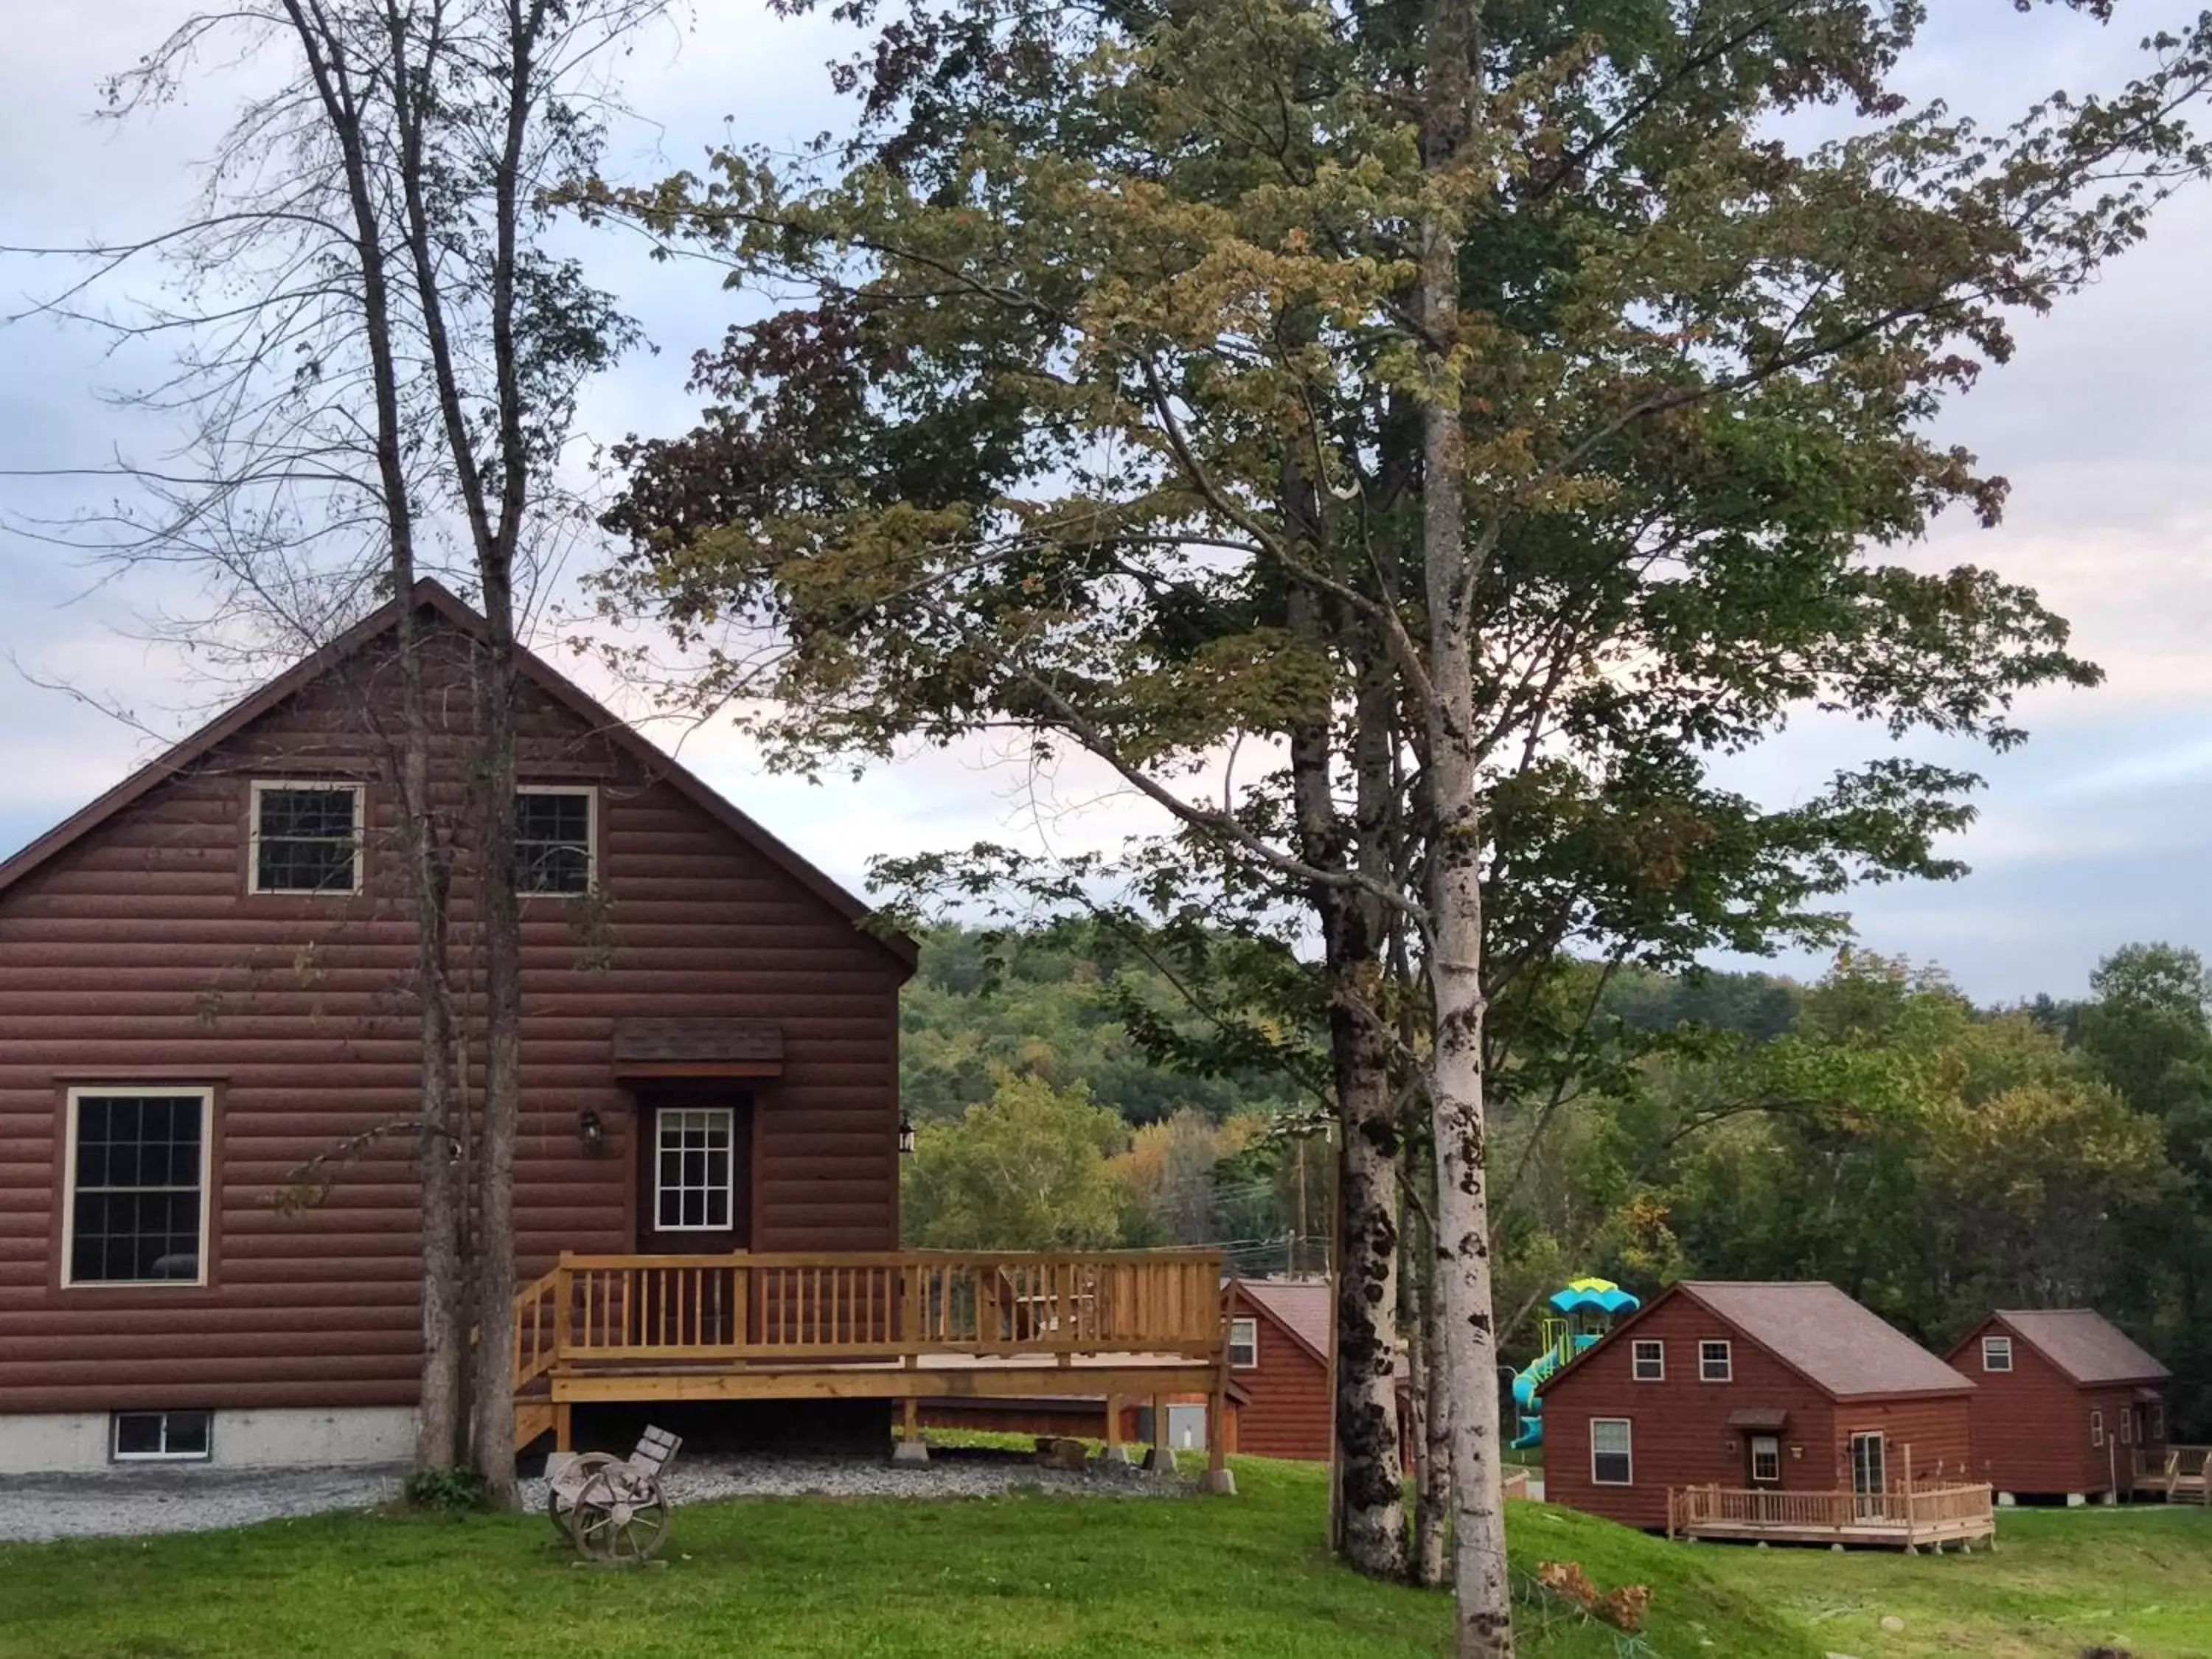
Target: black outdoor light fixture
{"type": "Point", "coordinates": [593, 1133]}
{"type": "Point", "coordinates": [906, 1136]}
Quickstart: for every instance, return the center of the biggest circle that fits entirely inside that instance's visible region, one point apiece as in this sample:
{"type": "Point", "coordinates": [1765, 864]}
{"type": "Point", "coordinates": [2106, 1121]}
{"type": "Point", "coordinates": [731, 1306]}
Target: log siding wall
{"type": "Point", "coordinates": [137, 954]}
{"type": "Point", "coordinates": [1285, 1411]}
{"type": "Point", "coordinates": [1680, 1429]}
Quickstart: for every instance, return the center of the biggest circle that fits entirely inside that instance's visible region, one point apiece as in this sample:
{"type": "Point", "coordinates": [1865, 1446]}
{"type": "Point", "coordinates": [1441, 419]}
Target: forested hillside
{"type": "Point", "coordinates": [1876, 1128]}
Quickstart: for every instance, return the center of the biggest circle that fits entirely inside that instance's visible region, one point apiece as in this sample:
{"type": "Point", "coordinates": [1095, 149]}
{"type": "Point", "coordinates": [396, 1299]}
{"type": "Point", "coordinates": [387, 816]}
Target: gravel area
{"type": "Point", "coordinates": [134, 1503]}
{"type": "Point", "coordinates": [949, 1474]}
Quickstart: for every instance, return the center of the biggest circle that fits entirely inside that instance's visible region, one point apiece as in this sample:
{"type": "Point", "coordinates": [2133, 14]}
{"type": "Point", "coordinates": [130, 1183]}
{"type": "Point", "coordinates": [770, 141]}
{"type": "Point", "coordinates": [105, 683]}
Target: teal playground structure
{"type": "Point", "coordinates": [1582, 1312]}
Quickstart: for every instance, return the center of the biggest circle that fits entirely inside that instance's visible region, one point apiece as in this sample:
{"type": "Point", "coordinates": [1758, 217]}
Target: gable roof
{"type": "Point", "coordinates": [2081, 1342]}
{"type": "Point", "coordinates": [1300, 1306]}
{"type": "Point", "coordinates": [431, 595]}
{"type": "Point", "coordinates": [1845, 1351]}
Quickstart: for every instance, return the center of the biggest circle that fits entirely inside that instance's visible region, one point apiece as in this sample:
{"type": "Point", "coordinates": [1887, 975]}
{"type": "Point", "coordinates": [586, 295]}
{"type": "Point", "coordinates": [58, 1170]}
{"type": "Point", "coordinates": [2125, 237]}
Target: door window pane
{"type": "Point", "coordinates": [695, 1191]}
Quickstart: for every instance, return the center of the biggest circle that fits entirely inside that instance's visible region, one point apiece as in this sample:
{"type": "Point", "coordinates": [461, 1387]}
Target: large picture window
{"type": "Point", "coordinates": [1613, 1459]}
{"type": "Point", "coordinates": [695, 1182]}
{"type": "Point", "coordinates": [306, 838]}
{"type": "Point", "coordinates": [554, 849]}
{"type": "Point", "coordinates": [137, 1186]}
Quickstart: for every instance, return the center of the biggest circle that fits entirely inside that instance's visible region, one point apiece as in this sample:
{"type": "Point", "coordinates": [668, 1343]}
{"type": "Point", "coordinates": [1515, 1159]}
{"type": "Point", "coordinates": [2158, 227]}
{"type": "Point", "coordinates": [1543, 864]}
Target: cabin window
{"type": "Point", "coordinates": [696, 1173]}
{"type": "Point", "coordinates": [1613, 1459]}
{"type": "Point", "coordinates": [137, 1182]}
{"type": "Point", "coordinates": [555, 842]}
{"type": "Point", "coordinates": [161, 1436]}
{"type": "Point", "coordinates": [306, 838]}
{"type": "Point", "coordinates": [1243, 1343]}
{"type": "Point", "coordinates": [1996, 1353]}
{"type": "Point", "coordinates": [1648, 1362]}
{"type": "Point", "coordinates": [2127, 1427]}
{"type": "Point", "coordinates": [2096, 1428]}
{"type": "Point", "coordinates": [1765, 1457]}
{"type": "Point", "coordinates": [1714, 1362]}
{"type": "Point", "coordinates": [2158, 1420]}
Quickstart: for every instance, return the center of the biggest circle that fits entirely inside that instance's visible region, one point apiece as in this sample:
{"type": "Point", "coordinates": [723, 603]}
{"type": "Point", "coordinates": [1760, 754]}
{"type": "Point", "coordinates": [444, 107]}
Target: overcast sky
{"type": "Point", "coordinates": [2090, 836]}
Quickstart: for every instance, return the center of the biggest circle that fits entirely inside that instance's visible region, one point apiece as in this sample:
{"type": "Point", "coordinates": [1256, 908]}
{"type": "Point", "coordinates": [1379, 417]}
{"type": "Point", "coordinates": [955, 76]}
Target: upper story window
{"type": "Point", "coordinates": [306, 838]}
{"type": "Point", "coordinates": [137, 1202]}
{"type": "Point", "coordinates": [1243, 1343]}
{"type": "Point", "coordinates": [556, 839]}
{"type": "Point", "coordinates": [1648, 1362]}
{"type": "Point", "coordinates": [1996, 1353]}
{"type": "Point", "coordinates": [1714, 1362]}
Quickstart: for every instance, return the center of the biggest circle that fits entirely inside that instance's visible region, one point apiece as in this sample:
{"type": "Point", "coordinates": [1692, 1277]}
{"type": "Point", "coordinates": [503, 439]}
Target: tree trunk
{"type": "Point", "coordinates": [1431, 1426]}
{"type": "Point", "coordinates": [1468, 1348]}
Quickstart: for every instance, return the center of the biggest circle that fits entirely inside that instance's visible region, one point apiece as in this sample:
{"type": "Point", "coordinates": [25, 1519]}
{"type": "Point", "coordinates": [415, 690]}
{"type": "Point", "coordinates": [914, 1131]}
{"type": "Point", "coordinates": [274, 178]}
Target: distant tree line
{"type": "Point", "coordinates": [1876, 1128]}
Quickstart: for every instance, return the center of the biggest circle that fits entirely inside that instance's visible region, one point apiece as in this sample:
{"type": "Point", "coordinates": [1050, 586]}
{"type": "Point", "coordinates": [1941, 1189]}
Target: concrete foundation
{"type": "Point", "coordinates": [77, 1442]}
{"type": "Point", "coordinates": [910, 1451]}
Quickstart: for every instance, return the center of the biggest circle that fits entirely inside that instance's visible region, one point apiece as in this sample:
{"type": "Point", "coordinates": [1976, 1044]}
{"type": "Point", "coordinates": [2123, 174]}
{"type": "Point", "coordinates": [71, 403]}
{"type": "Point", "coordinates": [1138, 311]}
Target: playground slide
{"type": "Point", "coordinates": [1528, 1385]}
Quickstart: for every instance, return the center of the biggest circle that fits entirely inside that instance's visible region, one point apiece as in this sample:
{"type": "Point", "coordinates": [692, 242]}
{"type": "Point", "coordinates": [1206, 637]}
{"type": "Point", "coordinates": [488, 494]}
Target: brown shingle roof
{"type": "Point", "coordinates": [1837, 1345]}
{"type": "Point", "coordinates": [2084, 1344]}
{"type": "Point", "coordinates": [1300, 1306]}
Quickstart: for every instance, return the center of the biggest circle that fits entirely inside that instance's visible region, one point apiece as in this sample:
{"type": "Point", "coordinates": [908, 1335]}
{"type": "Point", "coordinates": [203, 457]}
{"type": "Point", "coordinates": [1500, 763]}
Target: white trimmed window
{"type": "Point", "coordinates": [2127, 1427]}
{"type": "Point", "coordinates": [1243, 1343]}
{"type": "Point", "coordinates": [696, 1172]}
{"type": "Point", "coordinates": [137, 1185]}
{"type": "Point", "coordinates": [161, 1436]}
{"type": "Point", "coordinates": [556, 838]}
{"type": "Point", "coordinates": [2096, 1428]}
{"type": "Point", "coordinates": [1765, 1457]}
{"type": "Point", "coordinates": [1996, 1353]}
{"type": "Point", "coordinates": [306, 837]}
{"type": "Point", "coordinates": [1647, 1362]}
{"type": "Point", "coordinates": [1715, 1363]}
{"type": "Point", "coordinates": [1612, 1452]}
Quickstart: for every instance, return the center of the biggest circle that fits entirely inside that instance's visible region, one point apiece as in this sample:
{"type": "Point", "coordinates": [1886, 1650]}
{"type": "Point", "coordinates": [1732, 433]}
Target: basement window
{"type": "Point", "coordinates": [556, 839]}
{"type": "Point", "coordinates": [1243, 1343]}
{"type": "Point", "coordinates": [1647, 1362]}
{"type": "Point", "coordinates": [161, 1436]}
{"type": "Point", "coordinates": [306, 838]}
{"type": "Point", "coordinates": [1996, 1353]}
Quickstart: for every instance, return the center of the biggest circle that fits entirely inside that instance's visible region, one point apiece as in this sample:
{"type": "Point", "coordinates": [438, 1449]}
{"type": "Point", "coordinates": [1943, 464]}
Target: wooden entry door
{"type": "Point", "coordinates": [694, 1185]}
{"type": "Point", "coordinates": [1869, 1478]}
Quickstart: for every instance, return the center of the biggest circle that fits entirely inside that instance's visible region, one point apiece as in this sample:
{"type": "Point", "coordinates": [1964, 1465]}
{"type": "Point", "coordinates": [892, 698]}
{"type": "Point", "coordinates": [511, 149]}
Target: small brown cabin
{"type": "Point", "coordinates": [2064, 1402]}
{"type": "Point", "coordinates": [1784, 1387]}
{"type": "Point", "coordinates": [203, 982]}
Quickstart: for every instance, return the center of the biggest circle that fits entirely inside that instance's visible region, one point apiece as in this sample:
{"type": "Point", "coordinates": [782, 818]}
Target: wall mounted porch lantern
{"type": "Point", "coordinates": [906, 1135]}
{"type": "Point", "coordinates": [592, 1132]}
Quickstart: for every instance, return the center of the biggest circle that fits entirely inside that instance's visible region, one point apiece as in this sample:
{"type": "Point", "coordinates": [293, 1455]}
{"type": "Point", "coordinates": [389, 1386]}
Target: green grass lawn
{"type": "Point", "coordinates": [1038, 1574]}
{"type": "Point", "coordinates": [2138, 1578]}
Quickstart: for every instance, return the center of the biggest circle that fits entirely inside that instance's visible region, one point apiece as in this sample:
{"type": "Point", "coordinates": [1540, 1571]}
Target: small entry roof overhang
{"type": "Point", "coordinates": [697, 1046]}
{"type": "Point", "coordinates": [1759, 1419]}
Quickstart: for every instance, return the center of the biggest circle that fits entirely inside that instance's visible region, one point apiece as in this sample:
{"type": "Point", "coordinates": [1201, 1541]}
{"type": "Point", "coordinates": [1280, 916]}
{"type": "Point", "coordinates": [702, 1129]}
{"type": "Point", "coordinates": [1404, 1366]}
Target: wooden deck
{"type": "Point", "coordinates": [904, 1326]}
{"type": "Point", "coordinates": [2180, 1474]}
{"type": "Point", "coordinates": [1910, 1518]}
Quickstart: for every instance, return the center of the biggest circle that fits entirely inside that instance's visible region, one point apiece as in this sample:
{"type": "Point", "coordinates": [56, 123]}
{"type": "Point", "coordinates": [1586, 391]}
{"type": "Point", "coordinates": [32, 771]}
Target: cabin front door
{"type": "Point", "coordinates": [695, 1174]}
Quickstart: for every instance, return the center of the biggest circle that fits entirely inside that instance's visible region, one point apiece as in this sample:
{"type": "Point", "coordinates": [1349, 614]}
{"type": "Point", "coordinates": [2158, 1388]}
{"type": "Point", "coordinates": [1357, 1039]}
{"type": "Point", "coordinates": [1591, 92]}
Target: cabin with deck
{"type": "Point", "coordinates": [2066, 1405]}
{"type": "Point", "coordinates": [209, 1061]}
{"type": "Point", "coordinates": [1784, 1411]}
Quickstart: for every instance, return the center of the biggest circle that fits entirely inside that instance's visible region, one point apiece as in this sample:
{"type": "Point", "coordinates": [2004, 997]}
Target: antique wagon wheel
{"type": "Point", "coordinates": [621, 1517]}
{"type": "Point", "coordinates": [560, 1495]}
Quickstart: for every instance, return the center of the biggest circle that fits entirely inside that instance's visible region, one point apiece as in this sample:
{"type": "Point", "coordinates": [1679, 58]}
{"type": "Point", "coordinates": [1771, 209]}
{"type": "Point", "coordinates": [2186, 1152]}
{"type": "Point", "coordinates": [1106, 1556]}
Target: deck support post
{"type": "Point", "coordinates": [1116, 1453]}
{"type": "Point", "coordinates": [564, 1437]}
{"type": "Point", "coordinates": [911, 1448]}
{"type": "Point", "coordinates": [1219, 1481]}
{"type": "Point", "coordinates": [1161, 1460]}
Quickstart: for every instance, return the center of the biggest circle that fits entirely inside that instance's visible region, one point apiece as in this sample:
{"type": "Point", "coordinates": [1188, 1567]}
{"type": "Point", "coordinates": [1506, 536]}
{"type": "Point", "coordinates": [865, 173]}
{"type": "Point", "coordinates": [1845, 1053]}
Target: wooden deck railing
{"type": "Point", "coordinates": [1916, 1512]}
{"type": "Point", "coordinates": [900, 1304]}
{"type": "Point", "coordinates": [2174, 1469]}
